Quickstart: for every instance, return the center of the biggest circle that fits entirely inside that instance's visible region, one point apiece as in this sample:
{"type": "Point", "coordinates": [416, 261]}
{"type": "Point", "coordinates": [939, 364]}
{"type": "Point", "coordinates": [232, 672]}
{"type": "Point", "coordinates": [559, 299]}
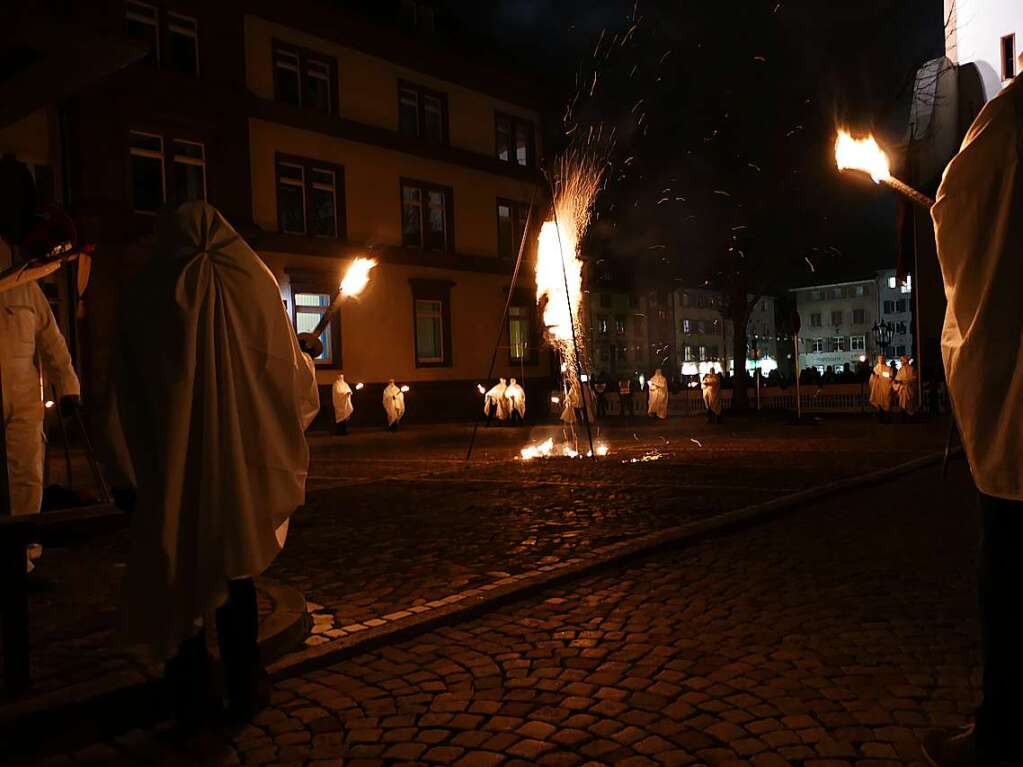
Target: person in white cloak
{"type": "Point", "coordinates": [495, 403]}
{"type": "Point", "coordinates": [905, 385]}
{"type": "Point", "coordinates": [515, 397]}
{"type": "Point", "coordinates": [343, 407]}
{"type": "Point", "coordinates": [394, 404]}
{"type": "Point", "coordinates": [978, 227]}
{"type": "Point", "coordinates": [881, 387]}
{"type": "Point", "coordinates": [213, 396]}
{"type": "Point", "coordinates": [711, 386]}
{"type": "Point", "coordinates": [657, 404]}
{"type": "Point", "coordinates": [28, 331]}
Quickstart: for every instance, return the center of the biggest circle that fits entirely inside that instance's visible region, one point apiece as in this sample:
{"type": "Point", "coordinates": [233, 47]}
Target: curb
{"type": "Point", "coordinates": [413, 621]}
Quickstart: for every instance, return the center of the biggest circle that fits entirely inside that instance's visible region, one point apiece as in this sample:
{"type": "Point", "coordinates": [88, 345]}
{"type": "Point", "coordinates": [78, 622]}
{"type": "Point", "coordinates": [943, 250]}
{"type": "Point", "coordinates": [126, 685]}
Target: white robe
{"type": "Point", "coordinates": [881, 387]}
{"type": "Point", "coordinates": [906, 389]}
{"type": "Point", "coordinates": [394, 404]}
{"type": "Point", "coordinates": [496, 396]}
{"type": "Point", "coordinates": [515, 397]}
{"type": "Point", "coordinates": [978, 224]}
{"type": "Point", "coordinates": [342, 397]}
{"type": "Point", "coordinates": [657, 404]}
{"type": "Point", "coordinates": [711, 385]}
{"type": "Point", "coordinates": [214, 396]}
{"type": "Point", "coordinates": [28, 329]}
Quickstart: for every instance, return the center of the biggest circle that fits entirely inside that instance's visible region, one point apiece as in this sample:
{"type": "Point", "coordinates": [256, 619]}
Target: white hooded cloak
{"type": "Point", "coordinates": [657, 402]}
{"type": "Point", "coordinates": [342, 397]}
{"type": "Point", "coordinates": [214, 397]}
{"type": "Point", "coordinates": [881, 386]}
{"type": "Point", "coordinates": [711, 386]}
{"type": "Point", "coordinates": [978, 224]}
{"type": "Point", "coordinates": [515, 396]}
{"type": "Point", "coordinates": [496, 397]}
{"type": "Point", "coordinates": [394, 403]}
{"type": "Point", "coordinates": [906, 388]}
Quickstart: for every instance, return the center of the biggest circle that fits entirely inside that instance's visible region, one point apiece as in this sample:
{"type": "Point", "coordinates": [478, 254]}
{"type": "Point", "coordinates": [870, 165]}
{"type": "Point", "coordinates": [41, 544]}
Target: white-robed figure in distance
{"type": "Point", "coordinates": [657, 404]}
{"type": "Point", "coordinates": [515, 396]}
{"type": "Point", "coordinates": [711, 386]}
{"type": "Point", "coordinates": [213, 396]}
{"type": "Point", "coordinates": [495, 404]}
{"type": "Point", "coordinates": [394, 404]}
{"type": "Point", "coordinates": [343, 407]}
{"type": "Point", "coordinates": [906, 389]}
{"type": "Point", "coordinates": [881, 386]}
{"type": "Point", "coordinates": [978, 227]}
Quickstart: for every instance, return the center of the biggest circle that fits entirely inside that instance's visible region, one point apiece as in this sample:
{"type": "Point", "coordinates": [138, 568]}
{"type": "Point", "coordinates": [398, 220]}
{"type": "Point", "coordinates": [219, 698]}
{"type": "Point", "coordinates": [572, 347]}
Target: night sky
{"type": "Point", "coordinates": [731, 145]}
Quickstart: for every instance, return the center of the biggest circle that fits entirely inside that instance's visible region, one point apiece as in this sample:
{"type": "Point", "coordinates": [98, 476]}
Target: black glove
{"type": "Point", "coordinates": [69, 404]}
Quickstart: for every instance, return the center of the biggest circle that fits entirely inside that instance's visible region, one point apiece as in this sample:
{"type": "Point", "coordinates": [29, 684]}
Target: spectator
{"type": "Point", "coordinates": [625, 395]}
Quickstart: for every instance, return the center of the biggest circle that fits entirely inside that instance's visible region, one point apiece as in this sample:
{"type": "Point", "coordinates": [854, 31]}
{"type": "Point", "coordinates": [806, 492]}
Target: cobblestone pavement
{"type": "Point", "coordinates": [394, 520]}
{"type": "Point", "coordinates": [833, 636]}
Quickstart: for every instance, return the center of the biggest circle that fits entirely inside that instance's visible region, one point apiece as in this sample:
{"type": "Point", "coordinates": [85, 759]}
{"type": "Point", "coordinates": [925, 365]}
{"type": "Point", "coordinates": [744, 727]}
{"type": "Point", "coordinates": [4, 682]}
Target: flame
{"type": "Point", "coordinates": [480, 389]}
{"type": "Point", "coordinates": [863, 155]}
{"type": "Point", "coordinates": [405, 389]}
{"type": "Point", "coordinates": [359, 386]}
{"type": "Point", "coordinates": [542, 450]}
{"type": "Point", "coordinates": [49, 403]}
{"type": "Point", "coordinates": [603, 450]}
{"type": "Point", "coordinates": [357, 276]}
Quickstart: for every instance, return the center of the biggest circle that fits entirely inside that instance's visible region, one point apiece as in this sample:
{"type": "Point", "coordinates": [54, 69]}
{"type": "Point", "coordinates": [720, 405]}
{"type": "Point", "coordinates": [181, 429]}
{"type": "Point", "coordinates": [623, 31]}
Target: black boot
{"type": "Point", "coordinates": [189, 675]}
{"type": "Point", "coordinates": [248, 688]}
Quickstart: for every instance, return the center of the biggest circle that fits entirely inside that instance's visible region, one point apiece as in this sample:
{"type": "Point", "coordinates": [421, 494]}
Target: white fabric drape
{"type": "Point", "coordinates": [658, 397]}
{"type": "Point", "coordinates": [342, 400]}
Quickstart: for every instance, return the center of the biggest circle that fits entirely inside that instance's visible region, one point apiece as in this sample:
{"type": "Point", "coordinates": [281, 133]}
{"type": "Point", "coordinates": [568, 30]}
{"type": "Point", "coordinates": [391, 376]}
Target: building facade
{"type": "Point", "coordinates": [987, 34]}
{"type": "Point", "coordinates": [617, 337]}
{"type": "Point", "coordinates": [321, 138]}
{"type": "Point", "coordinates": [837, 323]}
{"type": "Point", "coordinates": [895, 303]}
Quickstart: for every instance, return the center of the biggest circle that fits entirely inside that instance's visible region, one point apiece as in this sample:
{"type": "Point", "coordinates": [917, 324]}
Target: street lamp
{"type": "Point", "coordinates": [883, 334]}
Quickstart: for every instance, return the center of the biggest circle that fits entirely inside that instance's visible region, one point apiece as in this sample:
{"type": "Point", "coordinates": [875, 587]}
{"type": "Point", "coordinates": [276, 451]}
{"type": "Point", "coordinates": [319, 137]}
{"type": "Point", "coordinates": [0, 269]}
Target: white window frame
{"type": "Point", "coordinates": [839, 343]}
{"type": "Point", "coordinates": [152, 155]}
{"type": "Point", "coordinates": [438, 314]}
{"type": "Point", "coordinates": [816, 345]}
{"type": "Point", "coordinates": [153, 21]}
{"type": "Point", "coordinates": [293, 64]}
{"type": "Point", "coordinates": [318, 311]}
{"type": "Point", "coordinates": [193, 32]}
{"type": "Point", "coordinates": [301, 185]}
{"type": "Point", "coordinates": [857, 343]}
{"type": "Point", "coordinates": [324, 187]}
{"type": "Point", "coordinates": [186, 160]}
{"type": "Point", "coordinates": [317, 69]}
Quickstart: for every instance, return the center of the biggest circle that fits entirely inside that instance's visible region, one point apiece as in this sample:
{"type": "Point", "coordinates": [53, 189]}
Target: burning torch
{"type": "Point", "coordinates": [352, 284]}
{"type": "Point", "coordinates": [866, 156]}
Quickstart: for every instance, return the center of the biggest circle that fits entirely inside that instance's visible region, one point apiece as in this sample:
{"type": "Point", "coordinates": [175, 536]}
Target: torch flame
{"type": "Point", "coordinates": [863, 155]}
{"type": "Point", "coordinates": [480, 389]}
{"type": "Point", "coordinates": [405, 389]}
{"type": "Point", "coordinates": [357, 276]}
{"type": "Point", "coordinates": [542, 450]}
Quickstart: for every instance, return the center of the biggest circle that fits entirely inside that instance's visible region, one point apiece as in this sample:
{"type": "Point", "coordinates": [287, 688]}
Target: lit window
{"type": "Point", "coordinates": [703, 353]}
{"type": "Point", "coordinates": [687, 326]}
{"type": "Point", "coordinates": [687, 354]}
{"type": "Point", "coordinates": [1008, 57]}
{"type": "Point", "coordinates": [907, 286]}
{"type": "Point", "coordinates": [426, 214]}
{"type": "Point", "coordinates": [860, 291]}
{"type": "Point", "coordinates": [182, 43]}
{"type": "Point", "coordinates": [518, 332]}
{"type": "Point", "coordinates": [189, 171]}
{"type": "Point", "coordinates": [148, 186]}
{"type": "Point", "coordinates": [429, 331]}
{"type": "Point", "coordinates": [309, 309]}
{"type": "Point", "coordinates": [142, 23]}
{"type": "Point", "coordinates": [620, 326]}
{"type": "Point", "coordinates": [892, 283]}
{"type": "Point", "coordinates": [603, 326]}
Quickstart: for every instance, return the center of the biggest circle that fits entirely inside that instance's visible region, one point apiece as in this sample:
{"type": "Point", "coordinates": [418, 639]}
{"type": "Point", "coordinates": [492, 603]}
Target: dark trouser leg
{"type": "Point", "coordinates": [1001, 592]}
{"type": "Point", "coordinates": [341, 428]}
{"type": "Point", "coordinates": [189, 675]}
{"type": "Point", "coordinates": [238, 635]}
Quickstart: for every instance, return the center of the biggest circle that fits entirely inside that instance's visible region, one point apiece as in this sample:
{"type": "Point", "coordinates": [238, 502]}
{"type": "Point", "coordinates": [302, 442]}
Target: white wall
{"type": "Point", "coordinates": [976, 28]}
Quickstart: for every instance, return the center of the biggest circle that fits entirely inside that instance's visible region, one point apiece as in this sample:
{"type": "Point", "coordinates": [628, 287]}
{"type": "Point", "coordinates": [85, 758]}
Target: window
{"type": "Point", "coordinates": [182, 43]}
{"type": "Point", "coordinates": [687, 326]}
{"type": "Point", "coordinates": [304, 78]}
{"type": "Point", "coordinates": [701, 301]}
{"type": "Point", "coordinates": [891, 283]}
{"type": "Point", "coordinates": [889, 307]}
{"type": "Point", "coordinates": [701, 327]}
{"type": "Point", "coordinates": [148, 187]}
{"type": "Point", "coordinates": [511, 225]}
{"type": "Point", "coordinates": [900, 305]}
{"type": "Point", "coordinates": [189, 174]}
{"type": "Point", "coordinates": [836, 318]}
{"type": "Point", "coordinates": [900, 327]}
{"type": "Point", "coordinates": [603, 326]}
{"type": "Point", "coordinates": [836, 292]}
{"type": "Point", "coordinates": [816, 295]}
{"type": "Point", "coordinates": [815, 320]}
{"type": "Point", "coordinates": [687, 354]}
{"type": "Point", "coordinates": [838, 343]}
{"type": "Point", "coordinates": [309, 308]}
{"type": "Point", "coordinates": [620, 326]}
{"type": "Point", "coordinates": [860, 291]}
{"type": "Point", "coordinates": [515, 140]}
{"type": "Point", "coordinates": [429, 331]}
{"type": "Point", "coordinates": [858, 343]}
{"type": "Point", "coordinates": [427, 218]}
{"type": "Point", "coordinates": [422, 113]}
{"type": "Point", "coordinates": [518, 333]}
{"type": "Point", "coordinates": [310, 197]}
{"type": "Point", "coordinates": [142, 23]}
{"type": "Point", "coordinates": [907, 286]}
{"type": "Point", "coordinates": [703, 353]}
{"type": "Point", "coordinates": [857, 316]}
{"type": "Point", "coordinates": [817, 345]}
{"type": "Point", "coordinates": [1008, 57]}
{"type": "Point", "coordinates": [685, 298]}
{"type": "Point", "coordinates": [431, 302]}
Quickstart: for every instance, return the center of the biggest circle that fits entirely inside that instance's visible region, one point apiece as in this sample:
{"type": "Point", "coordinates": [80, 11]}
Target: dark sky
{"type": "Point", "coordinates": [740, 100]}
